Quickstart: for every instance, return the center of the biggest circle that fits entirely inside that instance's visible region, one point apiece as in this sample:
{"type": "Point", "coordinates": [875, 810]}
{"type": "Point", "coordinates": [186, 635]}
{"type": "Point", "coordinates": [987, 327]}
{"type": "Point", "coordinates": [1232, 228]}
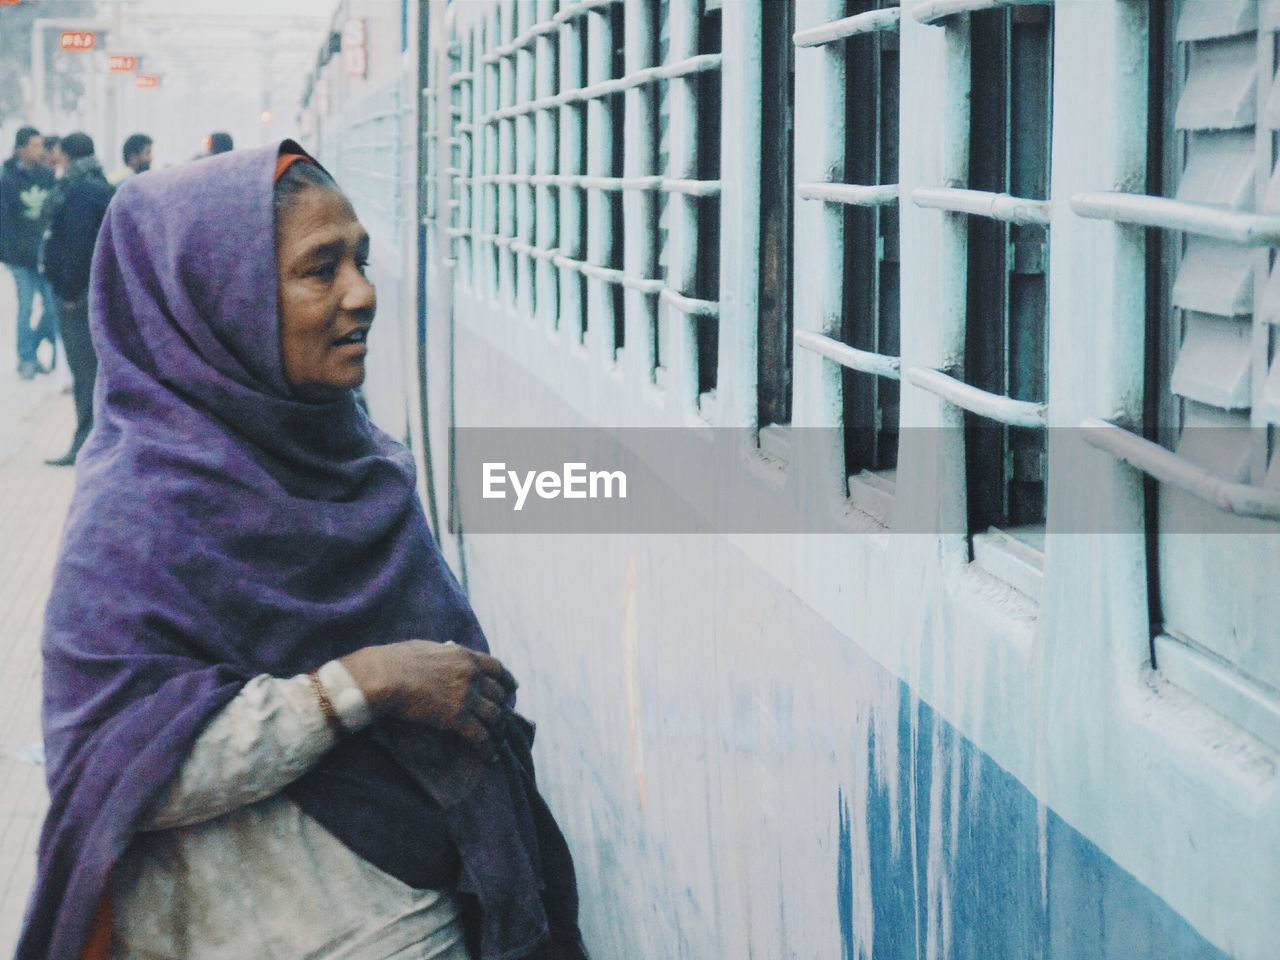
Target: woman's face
{"type": "Point", "coordinates": [326, 302]}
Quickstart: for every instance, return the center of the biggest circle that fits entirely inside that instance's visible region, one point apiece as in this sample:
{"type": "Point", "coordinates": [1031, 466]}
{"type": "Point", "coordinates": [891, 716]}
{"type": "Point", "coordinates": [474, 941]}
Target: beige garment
{"type": "Point", "coordinates": [233, 870]}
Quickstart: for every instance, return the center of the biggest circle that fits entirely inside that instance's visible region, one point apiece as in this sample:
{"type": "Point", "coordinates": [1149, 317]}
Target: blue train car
{"type": "Point", "coordinates": [987, 288]}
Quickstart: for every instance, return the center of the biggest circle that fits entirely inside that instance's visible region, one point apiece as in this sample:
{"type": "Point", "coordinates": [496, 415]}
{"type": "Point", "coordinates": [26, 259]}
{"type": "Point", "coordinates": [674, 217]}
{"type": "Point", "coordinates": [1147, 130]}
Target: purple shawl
{"type": "Point", "coordinates": [222, 529]}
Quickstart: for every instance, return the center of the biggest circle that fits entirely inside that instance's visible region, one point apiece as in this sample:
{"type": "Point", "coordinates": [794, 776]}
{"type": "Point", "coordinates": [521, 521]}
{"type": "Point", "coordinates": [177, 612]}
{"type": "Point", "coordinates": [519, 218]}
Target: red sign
{"type": "Point", "coordinates": [146, 81]}
{"type": "Point", "coordinates": [122, 63]}
{"type": "Point", "coordinates": [78, 40]}
{"type": "Point", "coordinates": [355, 59]}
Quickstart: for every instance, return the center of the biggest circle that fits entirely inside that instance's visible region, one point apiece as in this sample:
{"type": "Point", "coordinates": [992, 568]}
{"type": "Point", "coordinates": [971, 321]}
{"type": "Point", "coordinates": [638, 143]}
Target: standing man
{"type": "Point", "coordinates": [24, 185]}
{"type": "Point", "coordinates": [76, 211]}
{"type": "Point", "coordinates": [137, 158]}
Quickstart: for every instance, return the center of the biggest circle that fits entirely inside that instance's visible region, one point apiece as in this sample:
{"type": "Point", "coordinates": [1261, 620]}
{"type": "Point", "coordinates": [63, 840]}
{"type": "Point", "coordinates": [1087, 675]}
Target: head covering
{"type": "Point", "coordinates": [285, 161]}
{"type": "Point", "coordinates": [222, 528]}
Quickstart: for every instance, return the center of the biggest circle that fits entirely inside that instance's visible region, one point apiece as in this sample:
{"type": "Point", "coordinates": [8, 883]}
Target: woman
{"type": "Point", "coordinates": [255, 748]}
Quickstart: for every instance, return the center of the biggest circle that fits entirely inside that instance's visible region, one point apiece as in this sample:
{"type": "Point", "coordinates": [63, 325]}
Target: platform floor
{"type": "Point", "coordinates": [36, 421]}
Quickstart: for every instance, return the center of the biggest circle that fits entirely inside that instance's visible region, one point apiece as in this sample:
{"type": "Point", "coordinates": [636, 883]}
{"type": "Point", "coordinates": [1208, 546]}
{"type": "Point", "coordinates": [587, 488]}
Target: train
{"type": "Point", "coordinates": [982, 294]}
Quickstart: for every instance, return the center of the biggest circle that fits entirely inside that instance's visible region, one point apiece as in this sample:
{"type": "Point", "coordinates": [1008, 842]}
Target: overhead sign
{"type": "Point", "coordinates": [78, 40]}
{"type": "Point", "coordinates": [355, 58]}
{"type": "Point", "coordinates": [122, 63]}
{"type": "Point", "coordinates": [146, 81]}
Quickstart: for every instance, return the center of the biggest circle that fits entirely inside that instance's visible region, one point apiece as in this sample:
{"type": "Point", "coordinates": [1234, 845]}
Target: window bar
{"type": "Point", "coordinates": [863, 361]}
{"type": "Point", "coordinates": [703, 63]}
{"type": "Point", "coordinates": [983, 203]}
{"type": "Point", "coordinates": [651, 184]}
{"type": "Point", "coordinates": [872, 21]}
{"type": "Point", "coordinates": [600, 318]}
{"type": "Point", "coordinates": [582, 7]}
{"type": "Point", "coordinates": [525, 160]}
{"type": "Point", "coordinates": [935, 11]}
{"type": "Point", "coordinates": [682, 236]}
{"type": "Point", "coordinates": [461, 154]}
{"type": "Point", "coordinates": [545, 281]}
{"type": "Point", "coordinates": [544, 26]}
{"type": "Point", "coordinates": [489, 225]}
{"type": "Point", "coordinates": [1247, 229]}
{"type": "Point", "coordinates": [507, 96]}
{"type": "Point", "coordinates": [1241, 499]}
{"type": "Point", "coordinates": [640, 208]}
{"type": "Point", "coordinates": [571, 225]}
{"type": "Point", "coordinates": [472, 159]}
{"type": "Point", "coordinates": [819, 228]}
{"type": "Point", "coordinates": [856, 195]}
{"type": "Point", "coordinates": [993, 406]}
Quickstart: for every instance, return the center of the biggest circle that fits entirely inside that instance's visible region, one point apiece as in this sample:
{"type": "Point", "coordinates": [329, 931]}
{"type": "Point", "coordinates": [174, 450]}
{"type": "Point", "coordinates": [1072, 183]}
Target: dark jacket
{"type": "Point", "coordinates": [22, 197]}
{"type": "Point", "coordinates": [76, 207]}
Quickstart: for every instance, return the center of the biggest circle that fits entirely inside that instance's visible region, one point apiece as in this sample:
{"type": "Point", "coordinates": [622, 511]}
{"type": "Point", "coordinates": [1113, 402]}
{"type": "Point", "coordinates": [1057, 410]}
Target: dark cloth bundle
{"type": "Point", "coordinates": [222, 529]}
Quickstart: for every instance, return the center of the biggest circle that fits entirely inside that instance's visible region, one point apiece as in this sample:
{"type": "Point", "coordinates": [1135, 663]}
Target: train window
{"type": "Point", "coordinates": [777, 216]}
{"type": "Point", "coordinates": [1214, 377]}
{"type": "Point", "coordinates": [1002, 383]}
{"type": "Point", "coordinates": [861, 220]}
{"type": "Point", "coordinates": [588, 115]}
{"type": "Point", "coordinates": [871, 306]}
{"type": "Point", "coordinates": [706, 210]}
{"type": "Point", "coordinates": [1207, 441]}
{"type": "Point", "coordinates": [644, 35]}
{"type": "Point", "coordinates": [1007, 331]}
{"type": "Point", "coordinates": [546, 133]}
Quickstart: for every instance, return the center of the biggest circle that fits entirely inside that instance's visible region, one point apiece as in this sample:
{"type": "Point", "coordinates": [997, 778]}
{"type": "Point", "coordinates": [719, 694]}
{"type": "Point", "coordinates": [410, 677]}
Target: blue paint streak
{"type": "Point", "coordinates": [844, 878]}
{"type": "Point", "coordinates": [1094, 911]}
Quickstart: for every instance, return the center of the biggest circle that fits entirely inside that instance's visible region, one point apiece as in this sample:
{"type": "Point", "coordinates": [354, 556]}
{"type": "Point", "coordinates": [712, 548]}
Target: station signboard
{"type": "Point", "coordinates": [77, 40]}
{"type": "Point", "coordinates": [122, 63]}
{"type": "Point", "coordinates": [146, 81]}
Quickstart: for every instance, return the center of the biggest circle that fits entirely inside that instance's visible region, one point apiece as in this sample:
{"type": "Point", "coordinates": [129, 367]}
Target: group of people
{"type": "Point", "coordinates": [53, 197]}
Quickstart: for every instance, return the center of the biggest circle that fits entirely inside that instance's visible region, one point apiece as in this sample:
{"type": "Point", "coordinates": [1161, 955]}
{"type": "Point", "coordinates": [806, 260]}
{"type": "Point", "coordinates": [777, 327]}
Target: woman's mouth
{"type": "Point", "coordinates": [357, 336]}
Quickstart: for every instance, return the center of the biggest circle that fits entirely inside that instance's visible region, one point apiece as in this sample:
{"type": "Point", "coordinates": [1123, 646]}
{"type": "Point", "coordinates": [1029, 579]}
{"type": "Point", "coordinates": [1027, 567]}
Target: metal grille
{"type": "Point", "coordinates": [563, 123]}
{"type": "Point", "coordinates": [1002, 383]}
{"type": "Point", "coordinates": [859, 324]}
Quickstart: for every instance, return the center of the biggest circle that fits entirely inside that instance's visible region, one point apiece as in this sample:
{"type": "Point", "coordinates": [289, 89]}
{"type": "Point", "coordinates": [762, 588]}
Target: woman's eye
{"type": "Point", "coordinates": [362, 265]}
{"type": "Point", "coordinates": [325, 270]}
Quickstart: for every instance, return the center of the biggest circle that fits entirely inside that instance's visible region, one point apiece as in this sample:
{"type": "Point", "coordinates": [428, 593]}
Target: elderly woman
{"type": "Point", "coordinates": [272, 726]}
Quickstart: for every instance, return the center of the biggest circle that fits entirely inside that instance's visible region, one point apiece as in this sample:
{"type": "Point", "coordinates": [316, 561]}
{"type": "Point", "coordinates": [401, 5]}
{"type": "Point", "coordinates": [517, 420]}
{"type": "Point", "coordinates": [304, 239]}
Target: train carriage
{"type": "Point", "coordinates": [982, 290]}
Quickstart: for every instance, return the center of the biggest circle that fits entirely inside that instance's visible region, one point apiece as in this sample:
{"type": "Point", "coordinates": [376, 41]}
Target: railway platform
{"type": "Point", "coordinates": [36, 420]}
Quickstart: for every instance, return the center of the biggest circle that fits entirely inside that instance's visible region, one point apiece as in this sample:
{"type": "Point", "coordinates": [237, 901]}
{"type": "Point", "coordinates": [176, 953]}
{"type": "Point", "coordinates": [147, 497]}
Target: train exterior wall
{"type": "Point", "coordinates": [856, 746]}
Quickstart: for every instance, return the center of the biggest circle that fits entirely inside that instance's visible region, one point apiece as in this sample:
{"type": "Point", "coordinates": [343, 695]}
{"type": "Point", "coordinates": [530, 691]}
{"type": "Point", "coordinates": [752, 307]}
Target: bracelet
{"type": "Point", "coordinates": [326, 705]}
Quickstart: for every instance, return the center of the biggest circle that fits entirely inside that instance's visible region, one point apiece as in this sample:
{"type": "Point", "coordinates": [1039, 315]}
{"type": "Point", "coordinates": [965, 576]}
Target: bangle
{"type": "Point", "coordinates": [326, 705]}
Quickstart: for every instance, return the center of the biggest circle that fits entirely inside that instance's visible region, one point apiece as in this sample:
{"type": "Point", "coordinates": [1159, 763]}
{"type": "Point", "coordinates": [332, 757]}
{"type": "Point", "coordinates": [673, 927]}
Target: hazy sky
{"type": "Point", "coordinates": [212, 59]}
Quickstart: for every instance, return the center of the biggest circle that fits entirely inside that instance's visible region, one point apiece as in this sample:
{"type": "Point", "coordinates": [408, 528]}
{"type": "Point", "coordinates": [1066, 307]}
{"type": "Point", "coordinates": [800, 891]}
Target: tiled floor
{"type": "Point", "coordinates": [36, 421]}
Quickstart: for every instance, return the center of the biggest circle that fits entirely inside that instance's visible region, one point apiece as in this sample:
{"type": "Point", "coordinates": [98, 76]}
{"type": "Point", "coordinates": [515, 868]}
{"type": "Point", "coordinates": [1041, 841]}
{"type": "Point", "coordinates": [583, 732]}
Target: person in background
{"type": "Point", "coordinates": [76, 209]}
{"type": "Point", "coordinates": [137, 158]}
{"type": "Point", "coordinates": [53, 157]}
{"type": "Point", "coordinates": [25, 185]}
{"type": "Point", "coordinates": [220, 142]}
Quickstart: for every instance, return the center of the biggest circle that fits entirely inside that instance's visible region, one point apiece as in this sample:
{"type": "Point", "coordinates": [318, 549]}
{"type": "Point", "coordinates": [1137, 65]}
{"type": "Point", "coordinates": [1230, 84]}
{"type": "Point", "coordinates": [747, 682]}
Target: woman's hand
{"type": "Point", "coordinates": [440, 684]}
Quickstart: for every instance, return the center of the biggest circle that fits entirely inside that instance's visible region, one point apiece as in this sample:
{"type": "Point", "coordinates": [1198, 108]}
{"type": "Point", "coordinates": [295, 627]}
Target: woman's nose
{"type": "Point", "coordinates": [360, 296]}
